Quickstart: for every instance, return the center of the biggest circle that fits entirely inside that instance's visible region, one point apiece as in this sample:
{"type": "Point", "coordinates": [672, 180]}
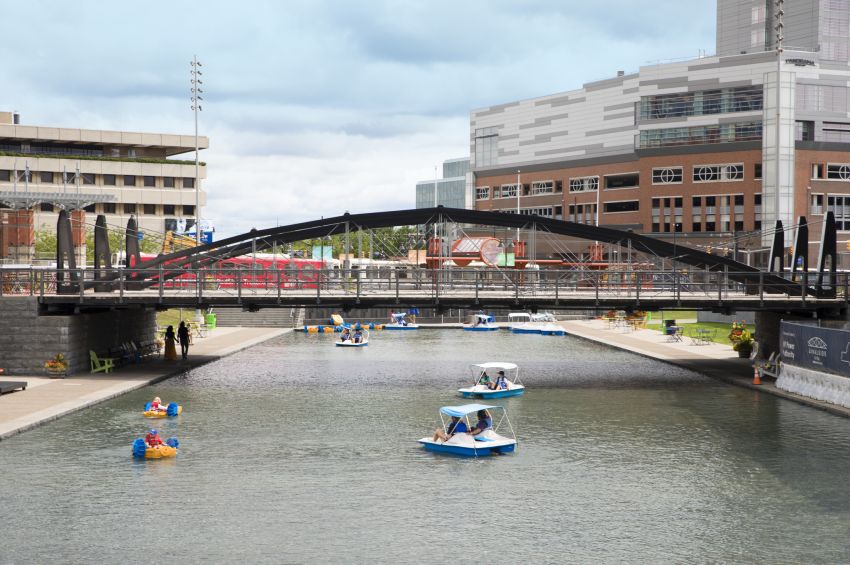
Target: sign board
{"type": "Point", "coordinates": [323, 252]}
{"type": "Point", "coordinates": [506, 260]}
{"type": "Point", "coordinates": [820, 349]}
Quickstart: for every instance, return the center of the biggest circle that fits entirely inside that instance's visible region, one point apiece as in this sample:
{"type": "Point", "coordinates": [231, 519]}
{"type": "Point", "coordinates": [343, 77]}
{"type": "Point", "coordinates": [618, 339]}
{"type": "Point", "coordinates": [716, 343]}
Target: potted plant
{"type": "Point", "coordinates": [57, 366]}
{"type": "Point", "coordinates": [744, 344]}
{"type": "Point", "coordinates": [738, 329]}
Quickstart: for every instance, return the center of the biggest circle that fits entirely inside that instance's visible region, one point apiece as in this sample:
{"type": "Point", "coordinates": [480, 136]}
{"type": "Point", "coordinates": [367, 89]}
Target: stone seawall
{"type": "Point", "coordinates": [29, 339]}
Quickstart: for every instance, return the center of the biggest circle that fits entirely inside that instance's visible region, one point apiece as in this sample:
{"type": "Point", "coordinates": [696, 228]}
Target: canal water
{"type": "Point", "coordinates": [297, 451]}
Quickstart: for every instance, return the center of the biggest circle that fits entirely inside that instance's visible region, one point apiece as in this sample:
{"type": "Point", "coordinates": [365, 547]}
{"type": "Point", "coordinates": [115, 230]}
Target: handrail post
{"type": "Point", "coordinates": [239, 285]}
{"type": "Point", "coordinates": [358, 288]}
{"type": "Point", "coordinates": [41, 283]}
{"type": "Point", "coordinates": [804, 283]}
{"type": "Point", "coordinates": [319, 284]}
{"type": "Point", "coordinates": [395, 270]}
{"type": "Point", "coordinates": [761, 288]}
{"type": "Point", "coordinates": [199, 276]}
{"type": "Point", "coordinates": [596, 286]}
{"type": "Point", "coordinates": [846, 298]}
{"type": "Point", "coordinates": [121, 286]}
{"type": "Point", "coordinates": [32, 281]}
{"type": "Point", "coordinates": [477, 282]}
{"type": "Point", "coordinates": [637, 287]}
{"type": "Point", "coordinates": [557, 284]}
{"type": "Point", "coordinates": [436, 278]}
{"type": "Point", "coordinates": [277, 277]}
{"type": "Point", "coordinates": [720, 288]}
{"type": "Point", "coordinates": [161, 285]}
{"type": "Point", "coordinates": [82, 285]}
{"type": "Point", "coordinates": [516, 286]}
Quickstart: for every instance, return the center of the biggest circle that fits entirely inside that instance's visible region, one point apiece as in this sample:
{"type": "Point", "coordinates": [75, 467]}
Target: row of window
{"type": "Point", "coordinates": [706, 102]}
{"type": "Point", "coordinates": [48, 177]}
{"type": "Point", "coordinates": [700, 135]}
{"type": "Point", "coordinates": [128, 208]}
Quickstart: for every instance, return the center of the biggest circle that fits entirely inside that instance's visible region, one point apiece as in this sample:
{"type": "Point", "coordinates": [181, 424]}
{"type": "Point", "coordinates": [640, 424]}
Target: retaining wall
{"type": "Point", "coordinates": [29, 339]}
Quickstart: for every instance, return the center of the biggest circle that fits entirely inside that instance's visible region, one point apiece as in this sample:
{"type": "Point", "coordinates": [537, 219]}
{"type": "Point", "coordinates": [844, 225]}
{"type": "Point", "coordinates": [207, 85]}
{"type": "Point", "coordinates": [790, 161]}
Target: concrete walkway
{"type": "Point", "coordinates": [714, 360]}
{"type": "Point", "coordinates": [46, 399]}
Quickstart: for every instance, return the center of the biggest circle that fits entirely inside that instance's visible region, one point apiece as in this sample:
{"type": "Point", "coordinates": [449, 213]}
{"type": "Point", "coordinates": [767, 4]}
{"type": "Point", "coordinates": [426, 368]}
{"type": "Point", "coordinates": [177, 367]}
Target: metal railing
{"type": "Point", "coordinates": [400, 284]}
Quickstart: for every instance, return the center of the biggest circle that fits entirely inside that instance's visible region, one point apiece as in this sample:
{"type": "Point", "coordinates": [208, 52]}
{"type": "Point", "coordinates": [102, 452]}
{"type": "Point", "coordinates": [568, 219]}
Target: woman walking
{"type": "Point", "coordinates": [170, 349]}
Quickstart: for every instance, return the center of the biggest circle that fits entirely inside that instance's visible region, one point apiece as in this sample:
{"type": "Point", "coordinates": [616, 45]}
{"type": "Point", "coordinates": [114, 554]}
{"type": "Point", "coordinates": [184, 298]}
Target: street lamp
{"type": "Point", "coordinates": [518, 191]}
{"type": "Point", "coordinates": [196, 82]}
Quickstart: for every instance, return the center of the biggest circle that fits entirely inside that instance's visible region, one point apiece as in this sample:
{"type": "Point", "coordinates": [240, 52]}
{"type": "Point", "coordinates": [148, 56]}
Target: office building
{"type": "Point", "coordinates": [115, 173]}
{"type": "Point", "coordinates": [454, 188]}
{"type": "Point", "coordinates": [709, 148]}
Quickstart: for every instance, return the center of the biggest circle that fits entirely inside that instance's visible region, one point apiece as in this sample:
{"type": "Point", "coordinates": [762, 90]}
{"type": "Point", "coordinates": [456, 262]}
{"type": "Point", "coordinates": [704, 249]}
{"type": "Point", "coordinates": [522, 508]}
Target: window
{"type": "Point", "coordinates": [757, 171]}
{"type": "Point", "coordinates": [542, 187]}
{"type": "Point", "coordinates": [69, 178]}
{"type": "Point", "coordinates": [709, 226]}
{"type": "Point", "coordinates": [188, 182]}
{"type": "Point", "coordinates": [739, 226]}
{"type": "Point", "coordinates": [834, 131]}
{"type": "Point", "coordinates": [622, 180]}
{"type": "Point", "coordinates": [656, 227]}
{"type": "Point", "coordinates": [109, 208]}
{"type": "Point", "coordinates": [667, 175]}
{"type": "Point", "coordinates": [838, 172]}
{"type": "Point", "coordinates": [486, 146]}
{"type": "Point", "coordinates": [109, 180]}
{"type": "Point", "coordinates": [757, 37]}
{"type": "Point", "coordinates": [90, 208]}
{"type": "Point", "coordinates": [739, 200]}
{"type": "Point", "coordinates": [129, 180]}
{"type": "Point", "coordinates": [804, 130]}
{"type": "Point", "coordinates": [46, 177]}
{"type": "Point", "coordinates": [816, 204]}
{"type": "Point", "coordinates": [584, 184]}
{"type": "Point", "coordinates": [5, 175]}
{"type": "Point", "coordinates": [45, 207]}
{"type": "Point", "coordinates": [87, 178]}
{"type": "Point", "coordinates": [677, 202]}
{"type": "Point", "coordinates": [715, 173]}
{"type": "Point", "coordinates": [149, 181]}
{"type": "Point", "coordinates": [697, 226]}
{"type": "Point", "coordinates": [25, 176]}
{"type": "Point", "coordinates": [696, 202]}
{"type": "Point", "coordinates": [625, 206]}
{"type": "Point", "coordinates": [129, 208]}
{"type": "Point", "coordinates": [544, 212]}
{"type": "Point", "coordinates": [149, 209]}
{"type": "Point", "coordinates": [168, 209]}
{"type": "Point", "coordinates": [482, 193]}
{"type": "Point", "coordinates": [168, 182]}
{"type": "Point", "coordinates": [508, 191]}
{"type": "Point", "coordinates": [722, 101]}
{"type": "Point", "coordinates": [700, 135]}
{"type": "Point", "coordinates": [188, 210]}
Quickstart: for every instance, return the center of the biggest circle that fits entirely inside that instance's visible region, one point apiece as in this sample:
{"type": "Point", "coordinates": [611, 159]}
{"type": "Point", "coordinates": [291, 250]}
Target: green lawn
{"type": "Point", "coordinates": [172, 317]}
{"type": "Point", "coordinates": [721, 330]}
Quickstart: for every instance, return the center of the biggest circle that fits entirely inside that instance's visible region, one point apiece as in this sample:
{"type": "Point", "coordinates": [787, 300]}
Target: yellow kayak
{"type": "Point", "coordinates": [173, 410]}
{"type": "Point", "coordinates": [142, 451]}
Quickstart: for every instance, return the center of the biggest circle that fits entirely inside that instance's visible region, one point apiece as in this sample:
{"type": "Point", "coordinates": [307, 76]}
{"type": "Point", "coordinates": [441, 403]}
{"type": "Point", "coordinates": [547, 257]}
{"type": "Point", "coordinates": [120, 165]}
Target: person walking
{"type": "Point", "coordinates": [170, 350]}
{"type": "Point", "coordinates": [183, 338]}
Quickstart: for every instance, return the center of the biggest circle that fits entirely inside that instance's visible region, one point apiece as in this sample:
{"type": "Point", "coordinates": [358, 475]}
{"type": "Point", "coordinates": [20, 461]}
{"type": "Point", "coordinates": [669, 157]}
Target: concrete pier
{"type": "Point", "coordinates": [47, 399]}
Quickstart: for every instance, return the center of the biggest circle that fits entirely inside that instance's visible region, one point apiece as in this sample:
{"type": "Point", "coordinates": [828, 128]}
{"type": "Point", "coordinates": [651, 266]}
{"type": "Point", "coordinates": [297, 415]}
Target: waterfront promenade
{"type": "Point", "coordinates": [714, 360]}
{"type": "Point", "coordinates": [46, 399]}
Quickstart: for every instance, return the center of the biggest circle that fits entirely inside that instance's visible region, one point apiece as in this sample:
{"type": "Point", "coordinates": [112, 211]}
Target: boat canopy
{"type": "Point", "coordinates": [461, 411]}
{"type": "Point", "coordinates": [399, 315]}
{"type": "Point", "coordinates": [496, 365]}
{"type": "Point", "coordinates": [485, 317]}
{"type": "Point", "coordinates": [519, 316]}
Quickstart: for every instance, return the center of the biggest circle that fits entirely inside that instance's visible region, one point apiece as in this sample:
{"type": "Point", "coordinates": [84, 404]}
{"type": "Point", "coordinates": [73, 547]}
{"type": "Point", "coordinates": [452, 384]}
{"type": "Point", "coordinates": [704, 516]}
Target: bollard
{"type": "Point", "coordinates": [756, 376]}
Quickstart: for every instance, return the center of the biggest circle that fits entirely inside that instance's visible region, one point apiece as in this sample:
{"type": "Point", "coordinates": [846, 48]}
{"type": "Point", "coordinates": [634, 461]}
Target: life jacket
{"type": "Point", "coordinates": [157, 407]}
{"type": "Point", "coordinates": [153, 440]}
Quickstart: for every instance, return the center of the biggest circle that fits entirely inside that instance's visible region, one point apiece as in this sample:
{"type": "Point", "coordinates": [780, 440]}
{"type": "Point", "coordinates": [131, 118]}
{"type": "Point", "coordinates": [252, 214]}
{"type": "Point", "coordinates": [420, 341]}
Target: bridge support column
{"type": "Point", "coordinates": [78, 235]}
{"type": "Point", "coordinates": [767, 331]}
{"type": "Point", "coordinates": [17, 236]}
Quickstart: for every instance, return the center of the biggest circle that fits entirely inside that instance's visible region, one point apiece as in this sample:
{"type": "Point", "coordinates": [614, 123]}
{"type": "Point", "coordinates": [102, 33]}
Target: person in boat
{"type": "Point", "coordinates": [485, 379]}
{"type": "Point", "coordinates": [501, 382]}
{"type": "Point", "coordinates": [485, 422]}
{"type": "Point", "coordinates": [152, 439]}
{"type": "Point", "coordinates": [346, 335]}
{"type": "Point", "coordinates": [456, 426]}
{"type": "Point", "coordinates": [358, 336]}
{"type": "Point", "coordinates": [158, 406]}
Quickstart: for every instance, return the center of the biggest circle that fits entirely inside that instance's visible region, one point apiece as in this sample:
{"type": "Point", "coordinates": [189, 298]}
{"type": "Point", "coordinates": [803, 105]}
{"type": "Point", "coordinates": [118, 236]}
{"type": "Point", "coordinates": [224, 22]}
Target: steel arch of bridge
{"type": "Point", "coordinates": [207, 255]}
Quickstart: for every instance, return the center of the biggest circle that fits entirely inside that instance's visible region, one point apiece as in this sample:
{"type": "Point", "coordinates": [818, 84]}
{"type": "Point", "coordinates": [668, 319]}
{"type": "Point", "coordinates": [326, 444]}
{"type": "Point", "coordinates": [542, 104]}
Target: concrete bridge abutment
{"type": "Point", "coordinates": [30, 337]}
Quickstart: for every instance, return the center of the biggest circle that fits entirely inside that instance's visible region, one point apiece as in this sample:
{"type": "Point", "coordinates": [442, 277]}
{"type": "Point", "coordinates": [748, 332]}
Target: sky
{"type": "Point", "coordinates": [315, 108]}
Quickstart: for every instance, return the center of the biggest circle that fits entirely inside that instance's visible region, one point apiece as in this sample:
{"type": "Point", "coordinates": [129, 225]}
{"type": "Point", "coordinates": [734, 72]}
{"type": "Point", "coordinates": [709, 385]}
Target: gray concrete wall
{"type": "Point", "coordinates": [748, 317]}
{"type": "Point", "coordinates": [30, 339]}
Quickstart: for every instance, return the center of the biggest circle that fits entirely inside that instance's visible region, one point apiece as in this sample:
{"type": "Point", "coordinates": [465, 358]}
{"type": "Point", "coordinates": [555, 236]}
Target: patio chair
{"type": "Point", "coordinates": [101, 364]}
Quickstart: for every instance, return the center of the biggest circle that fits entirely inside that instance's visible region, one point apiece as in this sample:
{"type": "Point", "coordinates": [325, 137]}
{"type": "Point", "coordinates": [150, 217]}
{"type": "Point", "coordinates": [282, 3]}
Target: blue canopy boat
{"type": "Point", "coordinates": [495, 379]}
{"type": "Point", "coordinates": [488, 442]}
{"type": "Point", "coordinates": [481, 323]}
{"type": "Point", "coordinates": [399, 322]}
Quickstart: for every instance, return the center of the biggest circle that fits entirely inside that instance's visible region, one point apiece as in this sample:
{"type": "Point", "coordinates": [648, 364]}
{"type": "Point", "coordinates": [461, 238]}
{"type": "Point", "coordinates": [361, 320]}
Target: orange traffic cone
{"type": "Point", "coordinates": [756, 376]}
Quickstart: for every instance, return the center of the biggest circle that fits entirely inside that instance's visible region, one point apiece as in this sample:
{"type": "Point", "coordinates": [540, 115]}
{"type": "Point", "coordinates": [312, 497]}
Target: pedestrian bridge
{"type": "Point", "coordinates": [199, 277]}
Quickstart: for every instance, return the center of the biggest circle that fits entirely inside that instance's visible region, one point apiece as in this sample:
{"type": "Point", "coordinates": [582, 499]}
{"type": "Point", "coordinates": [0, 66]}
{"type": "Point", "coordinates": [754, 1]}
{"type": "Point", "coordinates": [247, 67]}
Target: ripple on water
{"type": "Point", "coordinates": [299, 451]}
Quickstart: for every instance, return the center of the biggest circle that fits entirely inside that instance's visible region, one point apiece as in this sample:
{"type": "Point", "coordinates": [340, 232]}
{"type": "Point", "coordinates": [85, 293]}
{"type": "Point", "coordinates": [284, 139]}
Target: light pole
{"type": "Point", "coordinates": [518, 191]}
{"type": "Point", "coordinates": [196, 82]}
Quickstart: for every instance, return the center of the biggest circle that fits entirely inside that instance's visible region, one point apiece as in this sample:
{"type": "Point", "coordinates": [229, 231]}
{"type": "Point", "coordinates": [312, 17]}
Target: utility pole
{"type": "Point", "coordinates": [196, 82]}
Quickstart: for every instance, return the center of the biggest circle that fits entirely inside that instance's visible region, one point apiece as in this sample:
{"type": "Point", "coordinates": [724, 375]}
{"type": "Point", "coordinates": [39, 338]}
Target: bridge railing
{"type": "Point", "coordinates": [411, 283]}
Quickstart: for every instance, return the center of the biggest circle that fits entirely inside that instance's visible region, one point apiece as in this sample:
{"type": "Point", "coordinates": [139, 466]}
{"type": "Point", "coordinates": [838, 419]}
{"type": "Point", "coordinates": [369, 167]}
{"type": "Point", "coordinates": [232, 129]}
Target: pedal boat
{"type": "Point", "coordinates": [514, 386]}
{"type": "Point", "coordinates": [173, 409]}
{"type": "Point", "coordinates": [399, 323]}
{"type": "Point", "coordinates": [350, 342]}
{"type": "Point", "coordinates": [481, 324]}
{"type": "Point", "coordinates": [142, 451]}
{"type": "Point", "coordinates": [488, 442]}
